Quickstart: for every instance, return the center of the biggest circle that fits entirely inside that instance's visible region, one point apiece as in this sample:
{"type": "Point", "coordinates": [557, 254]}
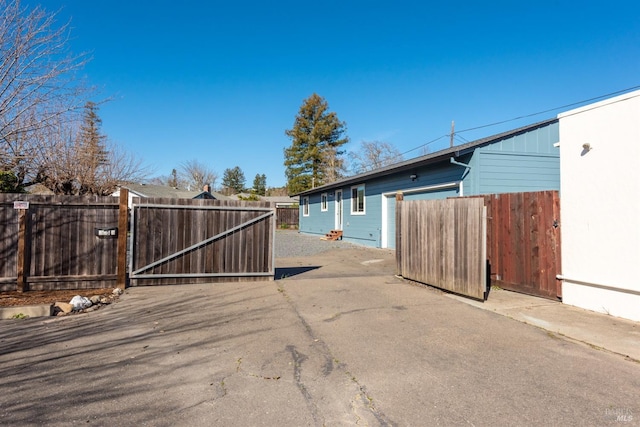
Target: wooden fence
{"type": "Point", "coordinates": [64, 242]}
{"type": "Point", "coordinates": [442, 243]}
{"type": "Point", "coordinates": [523, 242]}
{"type": "Point", "coordinates": [287, 217]}
{"type": "Point", "coordinates": [177, 241]}
{"type": "Point", "coordinates": [57, 242]}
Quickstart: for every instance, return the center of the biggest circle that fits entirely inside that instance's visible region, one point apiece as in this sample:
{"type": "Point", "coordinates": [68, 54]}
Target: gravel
{"type": "Point", "coordinates": [291, 243]}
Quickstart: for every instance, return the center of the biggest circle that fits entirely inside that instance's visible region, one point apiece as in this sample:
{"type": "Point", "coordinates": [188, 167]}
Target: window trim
{"type": "Point", "coordinates": [305, 206]}
{"type": "Point", "coordinates": [354, 202]}
{"type": "Point", "coordinates": [324, 202]}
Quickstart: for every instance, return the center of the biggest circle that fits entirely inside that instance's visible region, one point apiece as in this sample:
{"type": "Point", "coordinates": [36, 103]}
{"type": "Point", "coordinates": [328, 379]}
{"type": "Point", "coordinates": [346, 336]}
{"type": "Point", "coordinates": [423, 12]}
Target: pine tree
{"type": "Point", "coordinates": [314, 157]}
{"type": "Point", "coordinates": [233, 179]}
{"type": "Point", "coordinates": [92, 152]}
{"type": "Point", "coordinates": [173, 179]}
{"type": "Point", "coordinates": [260, 184]}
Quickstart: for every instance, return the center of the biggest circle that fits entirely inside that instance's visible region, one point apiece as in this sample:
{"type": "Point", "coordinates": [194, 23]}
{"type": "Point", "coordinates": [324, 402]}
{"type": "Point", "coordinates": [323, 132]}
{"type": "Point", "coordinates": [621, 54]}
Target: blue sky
{"type": "Point", "coordinates": [220, 82]}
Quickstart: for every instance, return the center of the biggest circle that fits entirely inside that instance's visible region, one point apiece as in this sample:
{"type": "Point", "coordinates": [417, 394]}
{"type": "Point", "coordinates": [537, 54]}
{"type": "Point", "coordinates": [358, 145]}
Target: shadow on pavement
{"type": "Point", "coordinates": [284, 272]}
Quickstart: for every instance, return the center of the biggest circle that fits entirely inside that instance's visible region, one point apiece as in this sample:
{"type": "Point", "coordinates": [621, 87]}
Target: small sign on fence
{"type": "Point", "coordinates": [20, 205]}
{"type": "Point", "coordinates": [107, 232]}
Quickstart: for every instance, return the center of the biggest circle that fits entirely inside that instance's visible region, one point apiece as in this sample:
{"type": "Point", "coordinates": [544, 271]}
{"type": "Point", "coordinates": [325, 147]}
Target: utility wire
{"type": "Point", "coordinates": [551, 109]}
{"type": "Point", "coordinates": [521, 117]}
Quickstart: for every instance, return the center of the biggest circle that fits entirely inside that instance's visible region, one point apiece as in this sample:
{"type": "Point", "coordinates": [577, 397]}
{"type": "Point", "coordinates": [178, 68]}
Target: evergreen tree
{"type": "Point", "coordinates": [9, 182]}
{"type": "Point", "coordinates": [233, 179]}
{"type": "Point", "coordinates": [314, 157]}
{"type": "Point", "coordinates": [88, 160]}
{"type": "Point", "coordinates": [260, 184]}
{"type": "Point", "coordinates": [173, 179]}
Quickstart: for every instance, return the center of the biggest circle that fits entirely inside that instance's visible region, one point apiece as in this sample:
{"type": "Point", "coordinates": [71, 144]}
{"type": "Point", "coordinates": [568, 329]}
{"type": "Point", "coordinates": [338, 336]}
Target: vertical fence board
{"type": "Point", "coordinates": [523, 243]}
{"type": "Point", "coordinates": [441, 243]}
{"type": "Point", "coordinates": [287, 217]}
{"type": "Point", "coordinates": [62, 250]}
{"type": "Point", "coordinates": [66, 253]}
{"type": "Point", "coordinates": [243, 254]}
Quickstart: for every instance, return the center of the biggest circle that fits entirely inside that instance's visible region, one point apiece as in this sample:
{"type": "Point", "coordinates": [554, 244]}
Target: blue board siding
{"type": "Point", "coordinates": [523, 162]}
{"type": "Point", "coordinates": [317, 222]}
{"type": "Point", "coordinates": [536, 141]}
{"type": "Point", "coordinates": [366, 229]}
{"type": "Point", "coordinates": [513, 173]}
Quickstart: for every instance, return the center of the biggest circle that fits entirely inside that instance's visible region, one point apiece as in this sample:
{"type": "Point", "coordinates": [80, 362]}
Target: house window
{"type": "Point", "coordinates": [357, 200]}
{"type": "Point", "coordinates": [305, 206]}
{"type": "Point", "coordinates": [324, 204]}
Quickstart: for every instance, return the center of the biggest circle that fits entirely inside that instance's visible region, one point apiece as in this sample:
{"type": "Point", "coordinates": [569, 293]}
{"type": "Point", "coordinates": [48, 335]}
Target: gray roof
{"type": "Point", "coordinates": [280, 199]}
{"type": "Point", "coordinates": [438, 156]}
{"type": "Point", "coordinates": [271, 199]}
{"type": "Point", "coordinates": [151, 190]}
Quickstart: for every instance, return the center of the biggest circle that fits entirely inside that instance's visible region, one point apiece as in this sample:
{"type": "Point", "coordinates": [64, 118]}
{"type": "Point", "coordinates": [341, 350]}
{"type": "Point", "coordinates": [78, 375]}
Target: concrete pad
{"type": "Point", "coordinates": [598, 330]}
{"type": "Point", "coordinates": [26, 310]}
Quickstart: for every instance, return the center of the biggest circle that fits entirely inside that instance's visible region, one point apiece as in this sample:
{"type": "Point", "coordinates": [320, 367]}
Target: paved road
{"type": "Point", "coordinates": [337, 341]}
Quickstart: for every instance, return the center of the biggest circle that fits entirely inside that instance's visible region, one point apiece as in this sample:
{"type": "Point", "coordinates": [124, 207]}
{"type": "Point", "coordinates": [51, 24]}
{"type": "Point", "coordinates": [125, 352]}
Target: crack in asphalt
{"type": "Point", "coordinates": [328, 368]}
{"type": "Point", "coordinates": [298, 359]}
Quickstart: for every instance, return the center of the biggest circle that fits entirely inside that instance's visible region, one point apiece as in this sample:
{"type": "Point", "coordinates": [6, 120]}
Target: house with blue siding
{"type": "Point", "coordinates": [363, 206]}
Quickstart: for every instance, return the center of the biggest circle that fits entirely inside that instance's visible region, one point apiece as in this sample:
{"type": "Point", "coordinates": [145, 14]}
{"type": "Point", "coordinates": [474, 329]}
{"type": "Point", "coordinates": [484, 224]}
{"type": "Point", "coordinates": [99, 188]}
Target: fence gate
{"type": "Point", "coordinates": [443, 243]}
{"type": "Point", "coordinates": [176, 241]}
{"type": "Point", "coordinates": [523, 238]}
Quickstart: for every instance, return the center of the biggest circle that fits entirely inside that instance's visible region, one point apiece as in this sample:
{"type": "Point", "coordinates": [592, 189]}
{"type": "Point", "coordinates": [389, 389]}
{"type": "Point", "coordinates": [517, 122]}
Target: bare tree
{"type": "Point", "coordinates": [78, 159]}
{"type": "Point", "coordinates": [39, 87]}
{"type": "Point", "coordinates": [122, 167]}
{"type": "Point", "coordinates": [373, 155]}
{"type": "Point", "coordinates": [333, 166]}
{"type": "Point", "coordinates": [195, 175]}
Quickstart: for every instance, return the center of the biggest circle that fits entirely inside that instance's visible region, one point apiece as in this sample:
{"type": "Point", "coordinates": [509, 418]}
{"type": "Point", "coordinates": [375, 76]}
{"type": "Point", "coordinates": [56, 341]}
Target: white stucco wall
{"type": "Point", "coordinates": [600, 206]}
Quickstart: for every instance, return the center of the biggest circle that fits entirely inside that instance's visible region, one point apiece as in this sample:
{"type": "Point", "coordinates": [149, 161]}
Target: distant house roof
{"type": "Point", "coordinates": [278, 200]}
{"type": "Point", "coordinates": [39, 189]}
{"type": "Point", "coordinates": [281, 200]}
{"type": "Point", "coordinates": [438, 156]}
{"type": "Point", "coordinates": [151, 190]}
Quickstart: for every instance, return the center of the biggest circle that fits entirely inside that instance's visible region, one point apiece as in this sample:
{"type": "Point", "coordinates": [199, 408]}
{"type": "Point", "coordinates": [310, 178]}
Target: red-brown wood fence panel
{"type": "Point", "coordinates": [523, 242]}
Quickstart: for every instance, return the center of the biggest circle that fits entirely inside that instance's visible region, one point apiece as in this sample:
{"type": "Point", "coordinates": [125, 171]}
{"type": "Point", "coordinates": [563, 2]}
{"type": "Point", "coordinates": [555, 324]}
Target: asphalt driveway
{"type": "Point", "coordinates": [336, 340]}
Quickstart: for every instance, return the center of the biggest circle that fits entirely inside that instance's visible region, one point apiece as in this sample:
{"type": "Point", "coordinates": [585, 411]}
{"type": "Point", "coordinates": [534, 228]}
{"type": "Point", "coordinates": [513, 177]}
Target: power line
{"type": "Point", "coordinates": [522, 117]}
{"type": "Point", "coordinates": [424, 145]}
{"type": "Point", "coordinates": [551, 109]}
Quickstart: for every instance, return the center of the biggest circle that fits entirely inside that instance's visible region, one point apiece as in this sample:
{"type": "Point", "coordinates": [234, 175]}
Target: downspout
{"type": "Point", "coordinates": [460, 164]}
{"type": "Point", "coordinates": [464, 174]}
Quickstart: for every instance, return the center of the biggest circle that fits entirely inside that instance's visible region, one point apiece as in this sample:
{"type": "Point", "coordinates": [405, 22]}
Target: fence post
{"type": "Point", "coordinates": [23, 249]}
{"type": "Point", "coordinates": [123, 231]}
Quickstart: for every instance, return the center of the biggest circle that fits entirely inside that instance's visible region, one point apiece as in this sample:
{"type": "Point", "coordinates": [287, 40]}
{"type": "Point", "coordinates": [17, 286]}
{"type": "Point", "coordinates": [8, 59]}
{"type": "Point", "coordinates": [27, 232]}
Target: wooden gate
{"type": "Point", "coordinates": [523, 242]}
{"type": "Point", "coordinates": [57, 242]}
{"type": "Point", "coordinates": [443, 243]}
{"type": "Point", "coordinates": [177, 241]}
